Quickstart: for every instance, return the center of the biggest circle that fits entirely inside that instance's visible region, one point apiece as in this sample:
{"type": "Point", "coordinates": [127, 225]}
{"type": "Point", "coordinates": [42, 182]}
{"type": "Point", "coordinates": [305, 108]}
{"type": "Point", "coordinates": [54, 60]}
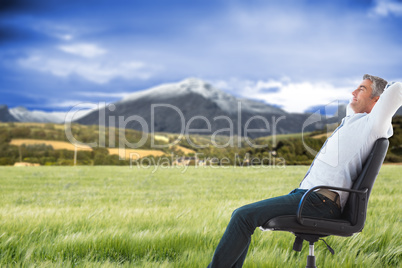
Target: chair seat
{"type": "Point", "coordinates": [321, 227]}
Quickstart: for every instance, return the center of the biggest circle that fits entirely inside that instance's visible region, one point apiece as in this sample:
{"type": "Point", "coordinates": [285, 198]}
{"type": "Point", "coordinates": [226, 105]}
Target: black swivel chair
{"type": "Point", "coordinates": [353, 216]}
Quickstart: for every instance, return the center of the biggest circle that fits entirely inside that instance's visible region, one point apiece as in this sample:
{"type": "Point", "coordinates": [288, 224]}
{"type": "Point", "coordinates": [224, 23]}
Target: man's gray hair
{"type": "Point", "coordinates": [377, 86]}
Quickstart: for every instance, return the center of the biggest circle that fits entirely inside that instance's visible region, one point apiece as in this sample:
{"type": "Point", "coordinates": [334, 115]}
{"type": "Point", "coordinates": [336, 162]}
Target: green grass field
{"type": "Point", "coordinates": [122, 217]}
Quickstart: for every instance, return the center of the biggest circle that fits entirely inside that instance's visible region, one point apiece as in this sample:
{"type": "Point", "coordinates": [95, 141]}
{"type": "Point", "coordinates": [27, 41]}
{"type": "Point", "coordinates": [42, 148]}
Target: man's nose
{"type": "Point", "coordinates": [354, 92]}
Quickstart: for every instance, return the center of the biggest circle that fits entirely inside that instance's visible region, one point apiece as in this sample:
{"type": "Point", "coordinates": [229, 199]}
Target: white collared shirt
{"type": "Point", "coordinates": [342, 157]}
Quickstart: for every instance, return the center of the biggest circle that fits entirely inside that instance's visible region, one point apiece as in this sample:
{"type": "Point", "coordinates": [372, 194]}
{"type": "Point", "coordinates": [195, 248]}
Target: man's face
{"type": "Point", "coordinates": [362, 101]}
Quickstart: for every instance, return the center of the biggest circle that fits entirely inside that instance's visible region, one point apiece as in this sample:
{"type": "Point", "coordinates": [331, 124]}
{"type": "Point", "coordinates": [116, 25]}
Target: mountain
{"type": "Point", "coordinates": [195, 107]}
{"type": "Point", "coordinates": [223, 100]}
{"type": "Point", "coordinates": [5, 115]}
{"type": "Point", "coordinates": [24, 115]}
{"type": "Point", "coordinates": [21, 114]}
{"type": "Point", "coordinates": [191, 103]}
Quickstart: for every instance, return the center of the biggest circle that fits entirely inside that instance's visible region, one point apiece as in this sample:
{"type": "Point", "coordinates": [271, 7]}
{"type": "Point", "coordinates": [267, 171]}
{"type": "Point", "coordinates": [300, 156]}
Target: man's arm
{"type": "Point", "coordinates": [385, 108]}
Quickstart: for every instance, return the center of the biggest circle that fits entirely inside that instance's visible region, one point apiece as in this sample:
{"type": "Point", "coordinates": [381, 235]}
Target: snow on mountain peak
{"type": "Point", "coordinates": [20, 109]}
{"type": "Point", "coordinates": [189, 85]}
{"type": "Point", "coordinates": [225, 101]}
{"type": "Point", "coordinates": [202, 88]}
{"type": "Point", "coordinates": [24, 115]}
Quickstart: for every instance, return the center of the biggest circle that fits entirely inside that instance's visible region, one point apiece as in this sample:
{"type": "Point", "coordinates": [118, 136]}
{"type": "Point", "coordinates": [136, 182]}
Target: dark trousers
{"type": "Point", "coordinates": [232, 249]}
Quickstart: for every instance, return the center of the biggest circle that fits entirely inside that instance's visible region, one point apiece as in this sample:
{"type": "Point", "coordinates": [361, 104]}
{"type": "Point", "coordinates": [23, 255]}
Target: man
{"type": "Point", "coordinates": [337, 164]}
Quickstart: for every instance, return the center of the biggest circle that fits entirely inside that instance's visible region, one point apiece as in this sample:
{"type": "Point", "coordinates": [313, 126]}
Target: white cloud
{"type": "Point", "coordinates": [273, 40]}
{"type": "Point", "coordinates": [298, 97]}
{"type": "Point", "coordinates": [83, 50]}
{"type": "Point", "coordinates": [76, 109]}
{"type": "Point", "coordinates": [119, 95]}
{"type": "Point", "coordinates": [69, 104]}
{"type": "Point", "coordinates": [384, 8]}
{"type": "Point", "coordinates": [66, 37]}
{"type": "Point", "coordinates": [295, 97]}
{"type": "Point", "coordinates": [99, 72]}
{"type": "Point", "coordinates": [63, 32]}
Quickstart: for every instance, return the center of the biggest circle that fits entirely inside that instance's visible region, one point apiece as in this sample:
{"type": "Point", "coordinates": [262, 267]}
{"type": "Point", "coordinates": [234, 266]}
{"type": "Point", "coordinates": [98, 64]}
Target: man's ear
{"type": "Point", "coordinates": [376, 98]}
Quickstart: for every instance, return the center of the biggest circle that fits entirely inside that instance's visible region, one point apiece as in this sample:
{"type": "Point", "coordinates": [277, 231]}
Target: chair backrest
{"type": "Point", "coordinates": [366, 179]}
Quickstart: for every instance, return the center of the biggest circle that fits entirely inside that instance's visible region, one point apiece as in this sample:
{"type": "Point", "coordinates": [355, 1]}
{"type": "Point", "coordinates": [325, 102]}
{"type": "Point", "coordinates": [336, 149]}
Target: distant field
{"type": "Point", "coordinates": [135, 153]}
{"type": "Point", "coordinates": [170, 217]}
{"type": "Point", "coordinates": [184, 149]}
{"type": "Point", "coordinates": [57, 145]}
{"type": "Point", "coordinates": [33, 124]}
{"type": "Point", "coordinates": [273, 140]}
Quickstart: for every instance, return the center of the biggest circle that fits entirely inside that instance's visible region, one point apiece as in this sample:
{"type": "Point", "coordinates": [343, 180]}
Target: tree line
{"type": "Point", "coordinates": [291, 151]}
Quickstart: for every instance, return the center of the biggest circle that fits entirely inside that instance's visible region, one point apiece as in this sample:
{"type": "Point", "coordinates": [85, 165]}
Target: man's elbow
{"type": "Point", "coordinates": [396, 86]}
{"type": "Point", "coordinates": [396, 91]}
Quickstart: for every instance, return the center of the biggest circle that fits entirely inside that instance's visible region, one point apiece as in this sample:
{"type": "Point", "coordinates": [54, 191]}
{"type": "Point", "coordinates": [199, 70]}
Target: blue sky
{"type": "Point", "coordinates": [294, 54]}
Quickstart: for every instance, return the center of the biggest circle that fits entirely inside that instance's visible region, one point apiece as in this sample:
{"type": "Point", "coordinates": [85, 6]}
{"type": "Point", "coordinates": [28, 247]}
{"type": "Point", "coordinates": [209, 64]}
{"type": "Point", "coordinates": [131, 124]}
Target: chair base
{"type": "Point", "coordinates": [311, 262]}
{"type": "Point", "coordinates": [297, 246]}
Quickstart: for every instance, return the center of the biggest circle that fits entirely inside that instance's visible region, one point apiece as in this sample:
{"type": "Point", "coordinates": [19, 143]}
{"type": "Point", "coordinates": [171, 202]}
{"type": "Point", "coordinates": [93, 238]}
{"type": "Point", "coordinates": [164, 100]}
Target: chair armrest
{"type": "Point", "coordinates": [306, 194]}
